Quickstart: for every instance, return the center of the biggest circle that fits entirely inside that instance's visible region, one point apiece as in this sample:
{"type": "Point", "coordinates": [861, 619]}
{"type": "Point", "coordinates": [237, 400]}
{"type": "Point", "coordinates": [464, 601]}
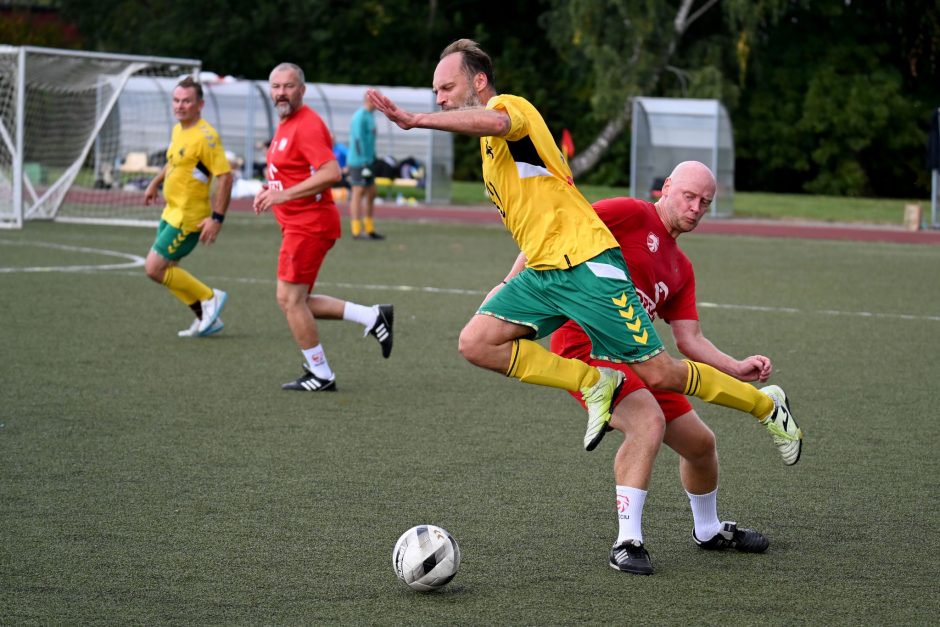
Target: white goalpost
{"type": "Point", "coordinates": [62, 153]}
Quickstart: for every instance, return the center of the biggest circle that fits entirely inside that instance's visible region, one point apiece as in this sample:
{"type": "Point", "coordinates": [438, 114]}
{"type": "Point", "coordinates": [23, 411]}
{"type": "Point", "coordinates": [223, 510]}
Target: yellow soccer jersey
{"type": "Point", "coordinates": [195, 155]}
{"type": "Point", "coordinates": [530, 183]}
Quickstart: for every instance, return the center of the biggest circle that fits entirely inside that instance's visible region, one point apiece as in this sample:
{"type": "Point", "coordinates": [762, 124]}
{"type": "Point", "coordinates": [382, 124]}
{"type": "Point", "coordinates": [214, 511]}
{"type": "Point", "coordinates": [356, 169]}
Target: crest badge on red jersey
{"type": "Point", "coordinates": [652, 242]}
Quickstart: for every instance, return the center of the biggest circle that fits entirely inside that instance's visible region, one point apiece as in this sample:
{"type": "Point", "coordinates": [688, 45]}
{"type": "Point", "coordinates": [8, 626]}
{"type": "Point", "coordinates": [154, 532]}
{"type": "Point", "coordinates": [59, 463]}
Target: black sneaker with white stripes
{"type": "Point", "coordinates": [310, 382]}
{"type": "Point", "coordinates": [631, 557]}
{"type": "Point", "coordinates": [733, 537]}
{"type": "Point", "coordinates": [382, 329]}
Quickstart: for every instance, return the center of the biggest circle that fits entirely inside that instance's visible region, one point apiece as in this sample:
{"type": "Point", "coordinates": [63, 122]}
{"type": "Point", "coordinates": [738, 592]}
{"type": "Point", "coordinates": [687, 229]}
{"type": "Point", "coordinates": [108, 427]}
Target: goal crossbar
{"type": "Point", "coordinates": [53, 107]}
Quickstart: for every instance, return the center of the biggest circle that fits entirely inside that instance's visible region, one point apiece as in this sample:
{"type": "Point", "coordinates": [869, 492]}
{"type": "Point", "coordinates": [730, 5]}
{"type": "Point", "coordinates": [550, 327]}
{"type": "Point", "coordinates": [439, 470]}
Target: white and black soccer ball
{"type": "Point", "coordinates": [426, 557]}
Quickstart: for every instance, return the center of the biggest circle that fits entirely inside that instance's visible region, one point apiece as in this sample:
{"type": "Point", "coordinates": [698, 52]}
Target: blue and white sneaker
{"type": "Point", "coordinates": [193, 330]}
{"type": "Point", "coordinates": [211, 308]}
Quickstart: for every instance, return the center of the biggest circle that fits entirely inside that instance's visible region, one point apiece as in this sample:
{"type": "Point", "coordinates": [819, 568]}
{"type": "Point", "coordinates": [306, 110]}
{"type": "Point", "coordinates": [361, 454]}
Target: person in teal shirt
{"type": "Point", "coordinates": [359, 161]}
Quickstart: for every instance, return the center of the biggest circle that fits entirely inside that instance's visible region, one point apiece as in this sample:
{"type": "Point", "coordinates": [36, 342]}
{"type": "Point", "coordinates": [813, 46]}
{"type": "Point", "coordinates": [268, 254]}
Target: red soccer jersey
{"type": "Point", "coordinates": [661, 273]}
{"type": "Point", "coordinates": [300, 146]}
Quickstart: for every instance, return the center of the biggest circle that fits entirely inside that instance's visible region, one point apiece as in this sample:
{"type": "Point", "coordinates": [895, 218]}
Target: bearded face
{"type": "Point", "coordinates": [287, 92]}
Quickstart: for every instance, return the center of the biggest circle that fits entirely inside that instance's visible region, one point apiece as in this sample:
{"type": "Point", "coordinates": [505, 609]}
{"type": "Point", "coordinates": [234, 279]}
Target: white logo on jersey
{"type": "Point", "coordinates": [273, 184]}
{"type": "Point", "coordinates": [648, 303]}
{"type": "Point", "coordinates": [660, 294]}
{"type": "Point", "coordinates": [661, 289]}
{"type": "Point", "coordinates": [281, 145]}
{"type": "Point", "coordinates": [652, 242]}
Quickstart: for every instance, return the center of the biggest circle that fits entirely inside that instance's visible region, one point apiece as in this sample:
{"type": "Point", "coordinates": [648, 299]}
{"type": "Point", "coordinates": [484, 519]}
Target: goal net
{"type": "Point", "coordinates": [71, 146]}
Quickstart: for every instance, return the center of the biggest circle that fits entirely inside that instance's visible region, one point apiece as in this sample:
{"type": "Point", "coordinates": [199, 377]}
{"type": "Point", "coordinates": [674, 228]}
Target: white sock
{"type": "Point", "coordinates": [316, 360]}
{"type": "Point", "coordinates": [366, 316]}
{"type": "Point", "coordinates": [705, 514]}
{"type": "Point", "coordinates": [630, 503]}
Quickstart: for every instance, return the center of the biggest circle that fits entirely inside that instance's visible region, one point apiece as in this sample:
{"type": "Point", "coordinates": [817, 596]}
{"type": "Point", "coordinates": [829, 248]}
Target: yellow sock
{"type": "Point", "coordinates": [369, 224]}
{"type": "Point", "coordinates": [714, 386]}
{"type": "Point", "coordinates": [185, 286]}
{"type": "Point", "coordinates": [356, 227]}
{"type": "Point", "coordinates": [532, 363]}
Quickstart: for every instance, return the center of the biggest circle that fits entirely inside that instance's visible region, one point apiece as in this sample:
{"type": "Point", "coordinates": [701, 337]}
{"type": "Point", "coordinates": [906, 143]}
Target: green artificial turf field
{"type": "Point", "coordinates": [147, 479]}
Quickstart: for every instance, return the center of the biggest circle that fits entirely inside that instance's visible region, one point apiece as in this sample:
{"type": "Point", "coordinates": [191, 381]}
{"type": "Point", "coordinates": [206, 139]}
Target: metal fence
{"type": "Point", "coordinates": [243, 114]}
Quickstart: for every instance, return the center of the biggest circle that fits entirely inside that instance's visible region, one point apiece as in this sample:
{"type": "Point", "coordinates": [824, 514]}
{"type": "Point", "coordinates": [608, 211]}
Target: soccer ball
{"type": "Point", "coordinates": [426, 557]}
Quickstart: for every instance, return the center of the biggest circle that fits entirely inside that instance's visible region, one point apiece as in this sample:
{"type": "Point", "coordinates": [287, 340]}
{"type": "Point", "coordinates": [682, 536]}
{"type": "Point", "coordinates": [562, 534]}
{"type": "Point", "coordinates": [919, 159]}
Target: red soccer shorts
{"type": "Point", "coordinates": [302, 254]}
{"type": "Point", "coordinates": [570, 341]}
{"type": "Point", "coordinates": [673, 404]}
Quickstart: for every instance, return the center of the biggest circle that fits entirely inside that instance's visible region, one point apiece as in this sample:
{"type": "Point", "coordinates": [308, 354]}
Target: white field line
{"type": "Point", "coordinates": [821, 312]}
{"type": "Point", "coordinates": [135, 261]}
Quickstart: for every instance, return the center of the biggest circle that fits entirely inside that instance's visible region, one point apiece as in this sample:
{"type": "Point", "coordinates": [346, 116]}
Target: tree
{"type": "Point", "coordinates": [845, 111]}
{"type": "Point", "coordinates": [351, 42]}
{"type": "Point", "coordinates": [828, 97]}
{"type": "Point", "coordinates": [36, 26]}
{"type": "Point", "coordinates": [623, 46]}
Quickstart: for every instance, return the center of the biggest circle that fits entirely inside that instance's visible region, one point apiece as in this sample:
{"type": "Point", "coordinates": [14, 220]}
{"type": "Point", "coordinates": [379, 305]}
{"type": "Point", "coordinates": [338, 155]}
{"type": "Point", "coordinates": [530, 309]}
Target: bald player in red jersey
{"type": "Point", "coordinates": [665, 283]}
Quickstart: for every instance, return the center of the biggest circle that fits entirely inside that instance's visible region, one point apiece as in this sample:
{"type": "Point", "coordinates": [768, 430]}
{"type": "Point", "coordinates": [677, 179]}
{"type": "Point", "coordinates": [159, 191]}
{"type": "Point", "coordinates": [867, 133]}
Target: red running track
{"type": "Point", "coordinates": [483, 214]}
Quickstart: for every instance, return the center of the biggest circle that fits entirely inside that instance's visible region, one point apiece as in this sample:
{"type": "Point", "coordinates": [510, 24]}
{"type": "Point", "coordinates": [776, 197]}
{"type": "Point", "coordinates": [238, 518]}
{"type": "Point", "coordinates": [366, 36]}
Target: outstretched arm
{"type": "Point", "coordinates": [474, 121]}
{"type": "Point", "coordinates": [693, 344]}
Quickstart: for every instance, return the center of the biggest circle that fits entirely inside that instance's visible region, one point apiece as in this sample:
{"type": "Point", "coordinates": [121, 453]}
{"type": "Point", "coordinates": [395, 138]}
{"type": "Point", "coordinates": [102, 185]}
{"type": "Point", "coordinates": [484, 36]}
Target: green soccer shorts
{"type": "Point", "coordinates": [597, 294]}
{"type": "Point", "coordinates": [172, 243]}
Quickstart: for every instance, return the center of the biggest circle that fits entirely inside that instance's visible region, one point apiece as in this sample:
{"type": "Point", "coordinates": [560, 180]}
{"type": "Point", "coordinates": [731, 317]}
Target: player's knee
{"type": "Point", "coordinates": [469, 346]}
{"type": "Point", "coordinates": [654, 423]}
{"type": "Point", "coordinates": [288, 301]}
{"type": "Point", "coordinates": [647, 429]}
{"type": "Point", "coordinates": [154, 272]}
{"type": "Point", "coordinates": [638, 415]}
{"type": "Point", "coordinates": [656, 378]}
{"type": "Point", "coordinates": [702, 445]}
{"type": "Point", "coordinates": [663, 372]}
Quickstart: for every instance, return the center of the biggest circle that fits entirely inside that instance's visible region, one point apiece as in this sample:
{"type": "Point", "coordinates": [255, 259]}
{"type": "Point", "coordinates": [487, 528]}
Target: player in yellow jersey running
{"type": "Point", "coordinates": [572, 266]}
{"type": "Point", "coordinates": [194, 157]}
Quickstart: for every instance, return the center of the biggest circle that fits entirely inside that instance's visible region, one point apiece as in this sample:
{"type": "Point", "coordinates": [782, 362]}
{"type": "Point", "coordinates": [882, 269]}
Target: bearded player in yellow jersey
{"type": "Point", "coordinates": [571, 265]}
{"type": "Point", "coordinates": [194, 157]}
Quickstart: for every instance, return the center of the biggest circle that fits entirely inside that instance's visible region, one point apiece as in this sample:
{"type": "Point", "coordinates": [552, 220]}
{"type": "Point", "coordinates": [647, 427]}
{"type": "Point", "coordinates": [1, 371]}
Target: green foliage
{"type": "Point", "coordinates": [830, 97]}
{"type": "Point", "coordinates": [36, 27]}
{"type": "Point", "coordinates": [846, 114]}
{"type": "Point", "coordinates": [336, 42]}
{"type": "Point", "coordinates": [700, 68]}
{"type": "Point", "coordinates": [619, 44]}
{"type": "Point", "coordinates": [831, 116]}
{"type": "Point", "coordinates": [613, 170]}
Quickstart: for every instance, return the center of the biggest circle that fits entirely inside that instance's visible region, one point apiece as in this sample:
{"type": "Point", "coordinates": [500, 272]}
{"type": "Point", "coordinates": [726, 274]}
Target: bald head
{"type": "Point", "coordinates": [687, 195]}
{"type": "Point", "coordinates": [695, 172]}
